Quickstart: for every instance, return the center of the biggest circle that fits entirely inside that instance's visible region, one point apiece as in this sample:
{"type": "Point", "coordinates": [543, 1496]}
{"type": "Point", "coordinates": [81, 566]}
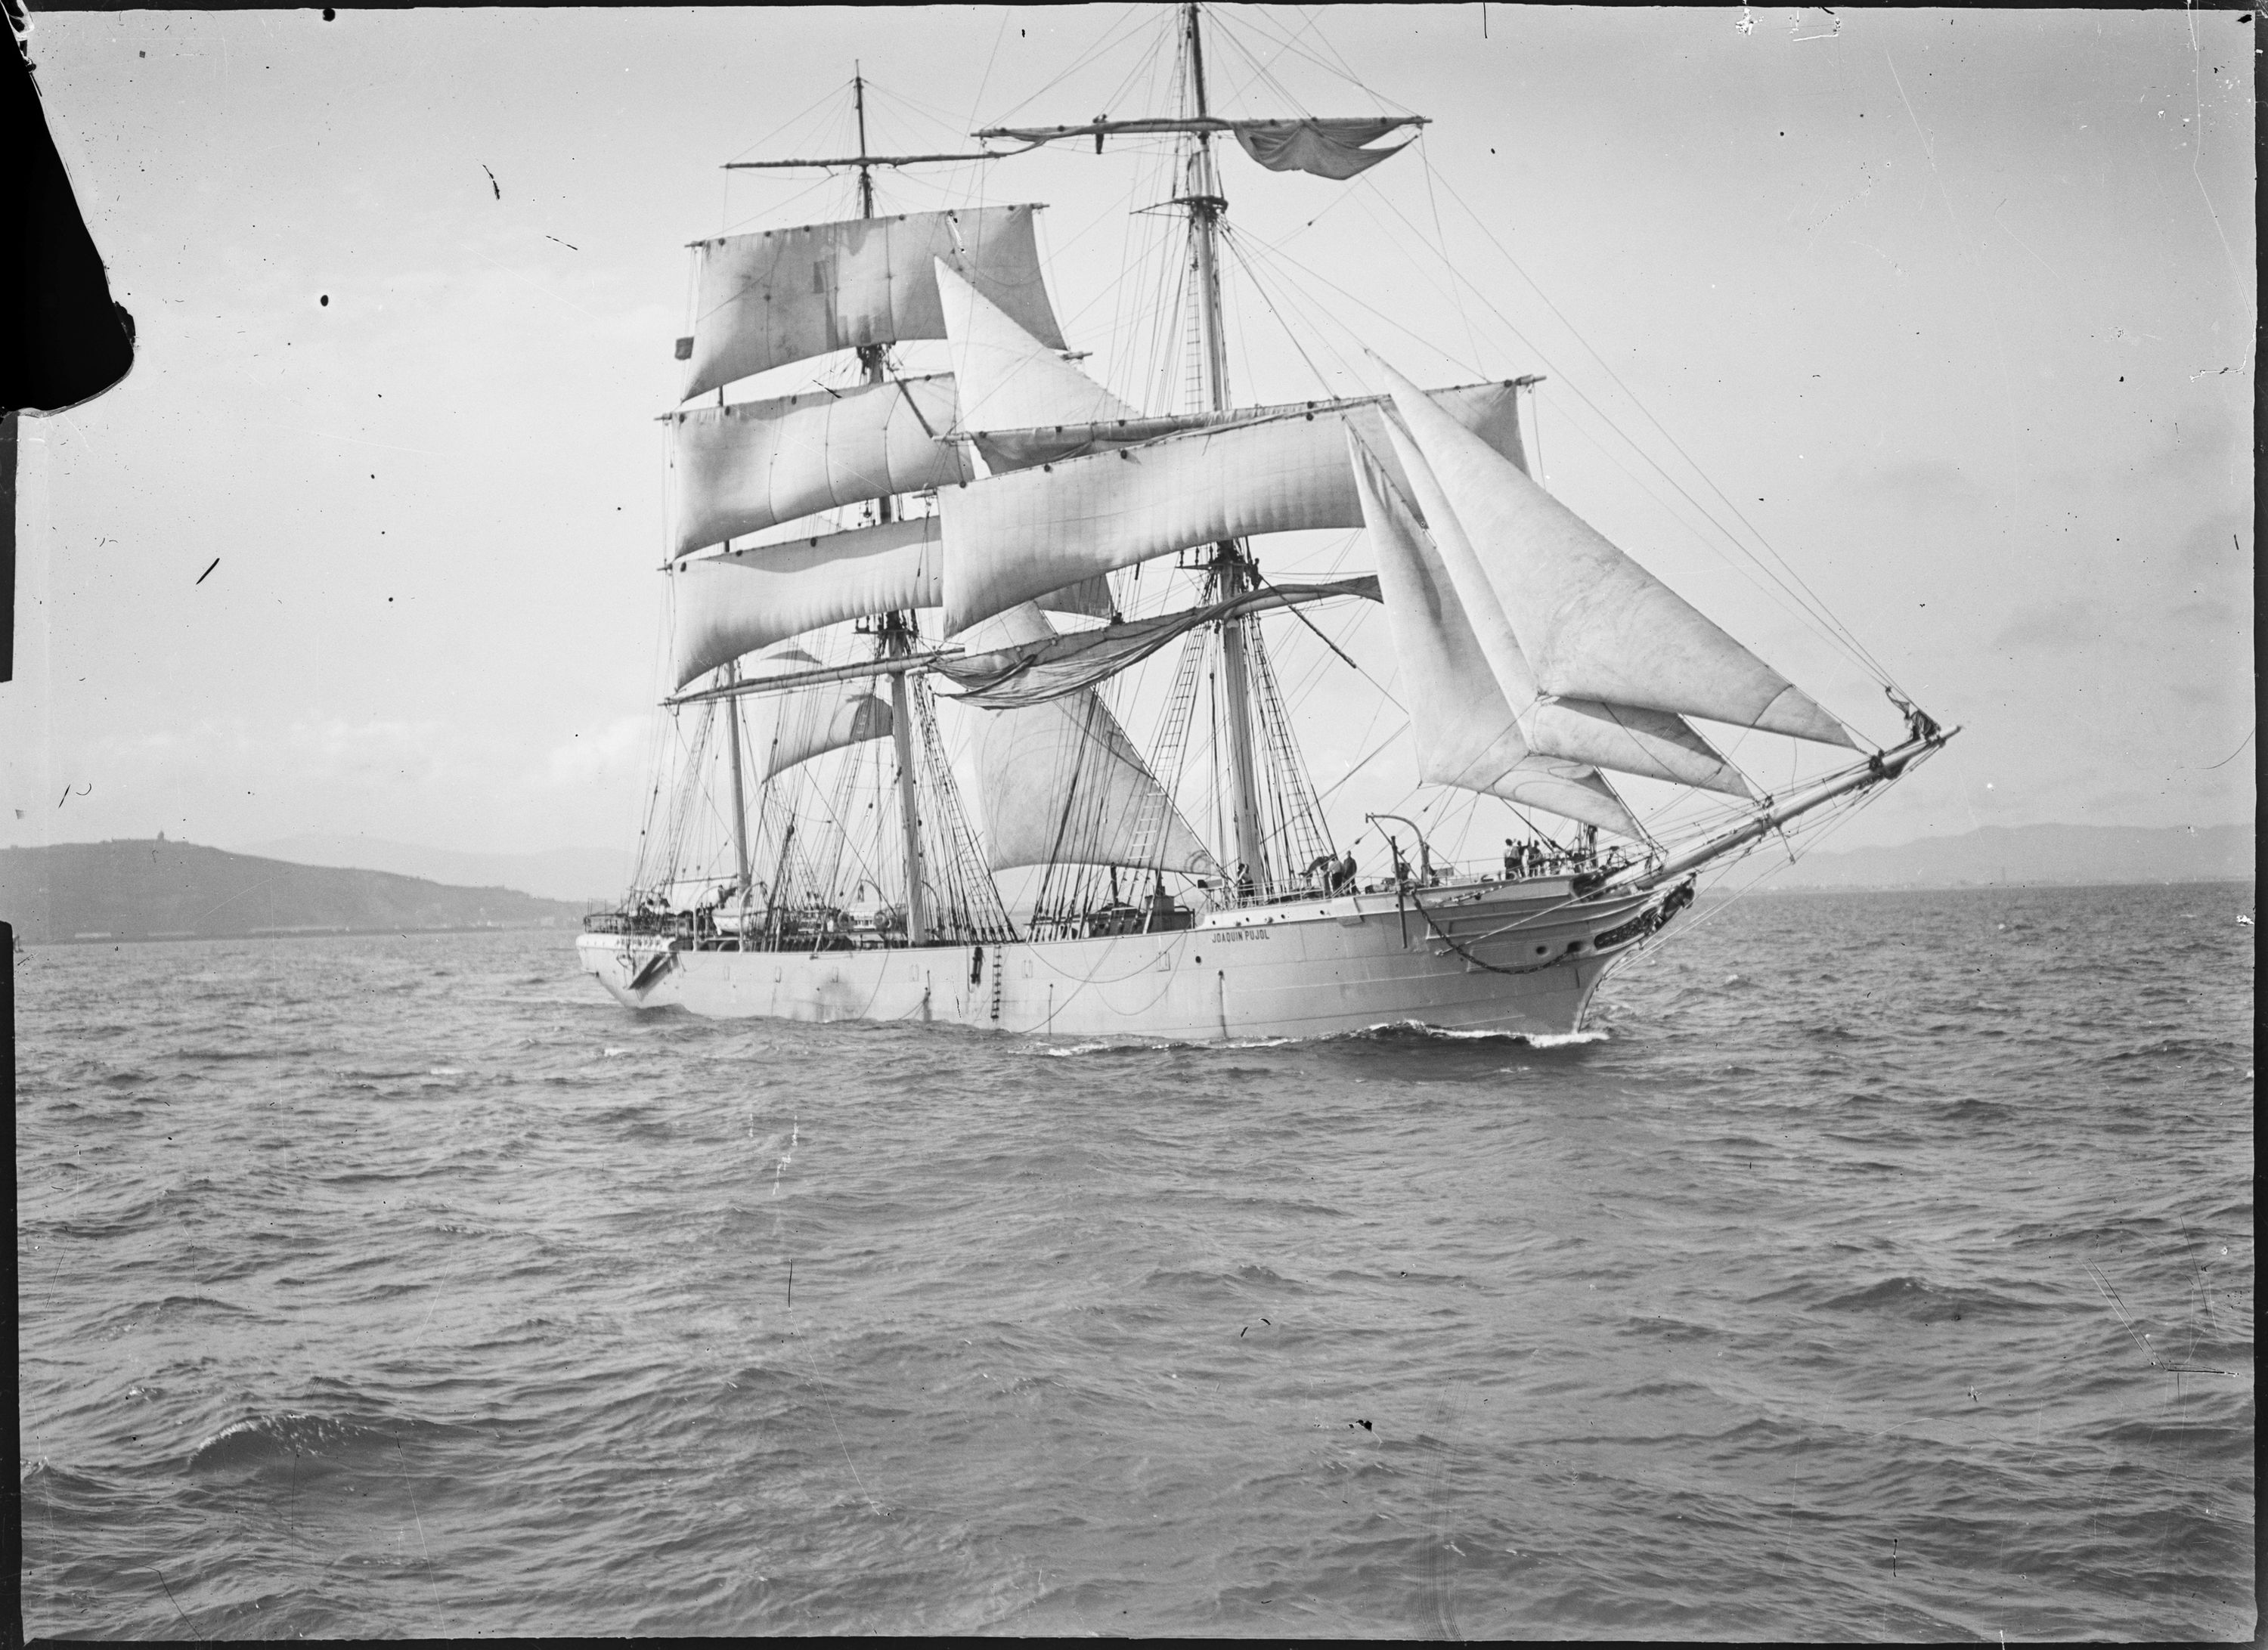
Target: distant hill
{"type": "Point", "coordinates": [135, 889]}
{"type": "Point", "coordinates": [599, 874]}
{"type": "Point", "coordinates": [2023, 854]}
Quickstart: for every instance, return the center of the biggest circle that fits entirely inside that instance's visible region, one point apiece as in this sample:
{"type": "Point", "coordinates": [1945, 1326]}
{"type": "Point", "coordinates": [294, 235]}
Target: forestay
{"type": "Point", "coordinates": [1593, 623]}
{"type": "Point", "coordinates": [765, 299]}
{"type": "Point", "coordinates": [752, 465]}
{"type": "Point", "coordinates": [1060, 782]}
{"type": "Point", "coordinates": [1654, 744]}
{"type": "Point", "coordinates": [1464, 731]}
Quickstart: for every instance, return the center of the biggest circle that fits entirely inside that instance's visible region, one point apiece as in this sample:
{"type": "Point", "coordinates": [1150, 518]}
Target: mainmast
{"type": "Point", "coordinates": [897, 634]}
{"type": "Point", "coordinates": [1231, 572]}
{"type": "Point", "coordinates": [739, 791]}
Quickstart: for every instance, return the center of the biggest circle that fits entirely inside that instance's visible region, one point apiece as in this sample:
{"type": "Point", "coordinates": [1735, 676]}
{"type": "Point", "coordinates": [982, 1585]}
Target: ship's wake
{"type": "Point", "coordinates": [1419, 1032]}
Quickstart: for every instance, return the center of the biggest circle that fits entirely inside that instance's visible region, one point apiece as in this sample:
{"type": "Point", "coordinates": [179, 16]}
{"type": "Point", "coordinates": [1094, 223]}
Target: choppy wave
{"type": "Point", "coordinates": [1827, 1287]}
{"type": "Point", "coordinates": [263, 1443]}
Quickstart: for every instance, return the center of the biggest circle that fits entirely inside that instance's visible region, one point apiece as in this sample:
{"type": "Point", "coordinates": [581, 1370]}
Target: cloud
{"type": "Point", "coordinates": [2051, 624]}
{"type": "Point", "coordinates": [307, 751]}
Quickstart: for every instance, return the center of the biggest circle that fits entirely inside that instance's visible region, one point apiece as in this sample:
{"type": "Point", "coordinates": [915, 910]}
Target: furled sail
{"type": "Point", "coordinates": [1060, 782]}
{"type": "Point", "coordinates": [1593, 623]}
{"type": "Point", "coordinates": [1331, 147]}
{"type": "Point", "coordinates": [1052, 444]}
{"type": "Point", "coordinates": [790, 728]}
{"type": "Point", "coordinates": [1012, 536]}
{"type": "Point", "coordinates": [788, 294]}
{"type": "Point", "coordinates": [1465, 732]}
{"type": "Point", "coordinates": [732, 605]}
{"type": "Point", "coordinates": [1033, 671]}
{"type": "Point", "coordinates": [1326, 148]}
{"type": "Point", "coordinates": [1654, 744]}
{"type": "Point", "coordinates": [1008, 379]}
{"type": "Point", "coordinates": [1490, 410]}
{"type": "Point", "coordinates": [748, 467]}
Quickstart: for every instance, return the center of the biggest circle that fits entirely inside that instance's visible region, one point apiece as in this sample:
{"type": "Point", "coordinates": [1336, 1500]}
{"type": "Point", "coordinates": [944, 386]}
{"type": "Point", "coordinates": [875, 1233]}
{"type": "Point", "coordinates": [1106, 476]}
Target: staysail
{"type": "Point", "coordinates": [1060, 782]}
{"type": "Point", "coordinates": [1593, 623]}
{"type": "Point", "coordinates": [1654, 744]}
{"type": "Point", "coordinates": [752, 465]}
{"type": "Point", "coordinates": [789, 294]}
{"type": "Point", "coordinates": [1008, 379]}
{"type": "Point", "coordinates": [792, 726]}
{"type": "Point", "coordinates": [1464, 730]}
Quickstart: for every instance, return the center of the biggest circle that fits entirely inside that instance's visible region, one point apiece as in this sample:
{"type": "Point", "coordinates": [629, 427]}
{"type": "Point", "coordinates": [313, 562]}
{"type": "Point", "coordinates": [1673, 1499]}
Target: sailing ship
{"type": "Point", "coordinates": [901, 589]}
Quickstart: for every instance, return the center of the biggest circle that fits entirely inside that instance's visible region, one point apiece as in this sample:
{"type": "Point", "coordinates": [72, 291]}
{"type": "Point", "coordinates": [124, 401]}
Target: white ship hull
{"type": "Point", "coordinates": [1306, 969]}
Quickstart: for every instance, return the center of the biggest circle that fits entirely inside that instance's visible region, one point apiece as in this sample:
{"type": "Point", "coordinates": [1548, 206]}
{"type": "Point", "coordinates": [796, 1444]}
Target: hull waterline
{"type": "Point", "coordinates": [1522, 961]}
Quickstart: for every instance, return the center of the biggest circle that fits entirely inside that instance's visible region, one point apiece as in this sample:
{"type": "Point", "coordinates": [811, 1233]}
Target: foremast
{"type": "Point", "coordinates": [896, 634]}
{"type": "Point", "coordinates": [897, 630]}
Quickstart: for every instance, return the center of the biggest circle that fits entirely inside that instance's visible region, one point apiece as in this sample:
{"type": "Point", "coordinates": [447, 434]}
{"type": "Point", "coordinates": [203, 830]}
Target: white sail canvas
{"type": "Point", "coordinates": [752, 465]}
{"type": "Point", "coordinates": [1592, 621]}
{"type": "Point", "coordinates": [784, 295]}
{"type": "Point", "coordinates": [1014, 536]}
{"type": "Point", "coordinates": [1652, 744]}
{"type": "Point", "coordinates": [1008, 379]}
{"type": "Point", "coordinates": [1062, 782]}
{"type": "Point", "coordinates": [732, 605]}
{"type": "Point", "coordinates": [1465, 734]}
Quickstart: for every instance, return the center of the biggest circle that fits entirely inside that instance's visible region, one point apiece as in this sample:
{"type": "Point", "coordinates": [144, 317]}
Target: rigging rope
{"type": "Point", "coordinates": [1809, 609]}
{"type": "Point", "coordinates": [1850, 640]}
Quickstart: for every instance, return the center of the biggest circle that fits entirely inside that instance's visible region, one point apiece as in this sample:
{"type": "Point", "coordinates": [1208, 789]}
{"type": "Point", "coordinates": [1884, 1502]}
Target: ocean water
{"type": "Point", "coordinates": [1882, 1269]}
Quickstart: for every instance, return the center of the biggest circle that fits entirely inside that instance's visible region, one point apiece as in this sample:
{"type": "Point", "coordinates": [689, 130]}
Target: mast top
{"type": "Point", "coordinates": [864, 160]}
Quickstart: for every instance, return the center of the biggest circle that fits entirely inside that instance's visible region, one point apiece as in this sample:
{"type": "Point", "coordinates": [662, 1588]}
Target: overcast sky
{"type": "Point", "coordinates": [1955, 307]}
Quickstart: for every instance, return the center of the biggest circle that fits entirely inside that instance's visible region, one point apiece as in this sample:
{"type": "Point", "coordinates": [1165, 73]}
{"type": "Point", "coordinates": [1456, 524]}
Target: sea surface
{"type": "Point", "coordinates": [1882, 1268]}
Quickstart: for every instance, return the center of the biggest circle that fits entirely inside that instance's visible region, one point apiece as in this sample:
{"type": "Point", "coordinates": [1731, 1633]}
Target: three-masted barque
{"type": "Point", "coordinates": [884, 590]}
